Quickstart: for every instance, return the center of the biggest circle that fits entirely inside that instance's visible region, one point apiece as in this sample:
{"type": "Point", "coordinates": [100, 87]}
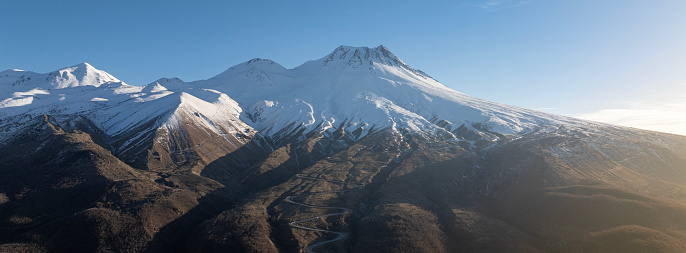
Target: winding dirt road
{"type": "Point", "coordinates": [342, 211]}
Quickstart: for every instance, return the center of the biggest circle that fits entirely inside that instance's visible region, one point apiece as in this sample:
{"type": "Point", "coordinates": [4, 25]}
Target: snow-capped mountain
{"type": "Point", "coordinates": [130, 116]}
{"type": "Point", "coordinates": [258, 156]}
{"type": "Point", "coordinates": [354, 88]}
{"type": "Point", "coordinates": [360, 88]}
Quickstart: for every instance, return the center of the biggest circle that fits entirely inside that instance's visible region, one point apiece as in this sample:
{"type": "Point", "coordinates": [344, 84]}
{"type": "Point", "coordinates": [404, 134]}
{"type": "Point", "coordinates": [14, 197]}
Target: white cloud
{"type": "Point", "coordinates": [669, 117]}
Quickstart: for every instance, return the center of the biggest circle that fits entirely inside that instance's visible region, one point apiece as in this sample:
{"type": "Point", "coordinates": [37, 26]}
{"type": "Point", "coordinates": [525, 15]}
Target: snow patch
{"type": "Point", "coordinates": [32, 92]}
{"type": "Point", "coordinates": [15, 102]}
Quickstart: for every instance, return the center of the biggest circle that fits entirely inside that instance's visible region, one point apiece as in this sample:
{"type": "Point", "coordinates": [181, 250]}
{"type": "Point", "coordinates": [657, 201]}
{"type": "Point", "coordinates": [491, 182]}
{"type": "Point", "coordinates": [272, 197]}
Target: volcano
{"type": "Point", "coordinates": [353, 152]}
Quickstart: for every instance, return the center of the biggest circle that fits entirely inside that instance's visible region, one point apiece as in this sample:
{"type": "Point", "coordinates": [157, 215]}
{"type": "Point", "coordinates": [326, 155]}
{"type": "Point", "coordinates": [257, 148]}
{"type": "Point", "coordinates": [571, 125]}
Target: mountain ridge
{"type": "Point", "coordinates": [232, 162]}
{"type": "Point", "coordinates": [258, 71]}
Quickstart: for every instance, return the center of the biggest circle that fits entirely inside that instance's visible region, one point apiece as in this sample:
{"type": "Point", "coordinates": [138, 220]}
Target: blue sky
{"type": "Point", "coordinates": [616, 61]}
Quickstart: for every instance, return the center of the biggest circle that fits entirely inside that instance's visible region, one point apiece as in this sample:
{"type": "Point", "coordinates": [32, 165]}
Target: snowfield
{"type": "Point", "coordinates": [359, 89]}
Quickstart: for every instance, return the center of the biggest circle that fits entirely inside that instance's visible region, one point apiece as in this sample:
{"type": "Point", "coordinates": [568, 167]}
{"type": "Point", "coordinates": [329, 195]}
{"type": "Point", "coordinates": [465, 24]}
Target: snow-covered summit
{"type": "Point", "coordinates": [26, 92]}
{"type": "Point", "coordinates": [362, 58]}
{"type": "Point", "coordinates": [164, 84]}
{"type": "Point", "coordinates": [359, 88]}
{"type": "Point", "coordinates": [358, 56]}
{"type": "Point", "coordinates": [154, 88]}
{"type": "Point", "coordinates": [10, 73]}
{"type": "Point", "coordinates": [352, 88]}
{"type": "Point", "coordinates": [15, 77]}
{"type": "Point", "coordinates": [82, 74]}
{"type": "Point", "coordinates": [250, 77]}
{"type": "Point", "coordinates": [260, 63]}
{"type": "Point", "coordinates": [253, 67]}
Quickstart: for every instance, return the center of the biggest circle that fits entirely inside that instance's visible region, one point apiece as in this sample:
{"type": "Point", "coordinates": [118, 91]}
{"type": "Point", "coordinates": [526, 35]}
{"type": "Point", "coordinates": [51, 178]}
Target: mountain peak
{"type": "Point", "coordinates": [164, 84]}
{"type": "Point", "coordinates": [165, 80]}
{"type": "Point", "coordinates": [12, 71]}
{"type": "Point", "coordinates": [16, 76]}
{"type": "Point", "coordinates": [358, 56]}
{"type": "Point", "coordinates": [257, 63]}
{"type": "Point", "coordinates": [382, 47]}
{"type": "Point", "coordinates": [84, 65]}
{"type": "Point", "coordinates": [82, 74]}
{"type": "Point", "coordinates": [81, 68]}
{"type": "Point", "coordinates": [253, 65]}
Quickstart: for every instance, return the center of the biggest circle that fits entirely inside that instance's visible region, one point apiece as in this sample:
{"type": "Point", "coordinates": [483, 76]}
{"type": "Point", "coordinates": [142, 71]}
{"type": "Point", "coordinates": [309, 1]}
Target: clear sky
{"type": "Point", "coordinates": [616, 61]}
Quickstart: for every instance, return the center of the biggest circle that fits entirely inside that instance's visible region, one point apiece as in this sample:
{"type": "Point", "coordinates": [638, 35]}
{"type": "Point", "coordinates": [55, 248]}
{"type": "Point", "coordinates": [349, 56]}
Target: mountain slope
{"type": "Point", "coordinates": [65, 192]}
{"type": "Point", "coordinates": [231, 163]}
{"type": "Point", "coordinates": [133, 118]}
{"type": "Point", "coordinates": [361, 88]}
